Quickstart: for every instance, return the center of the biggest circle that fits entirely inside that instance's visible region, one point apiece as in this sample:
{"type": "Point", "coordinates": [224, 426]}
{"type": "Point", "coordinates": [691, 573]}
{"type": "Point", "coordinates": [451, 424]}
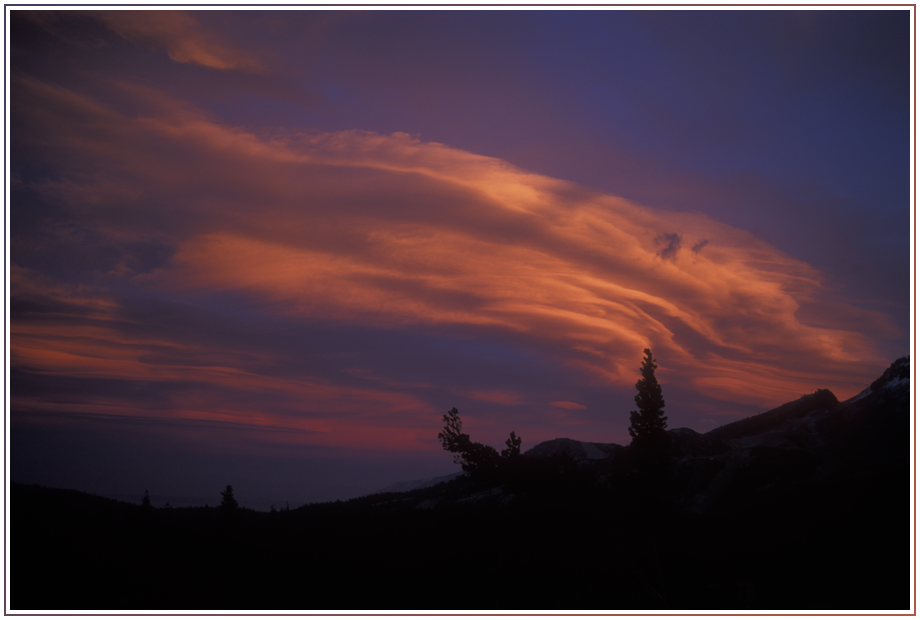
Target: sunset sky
{"type": "Point", "coordinates": [272, 248]}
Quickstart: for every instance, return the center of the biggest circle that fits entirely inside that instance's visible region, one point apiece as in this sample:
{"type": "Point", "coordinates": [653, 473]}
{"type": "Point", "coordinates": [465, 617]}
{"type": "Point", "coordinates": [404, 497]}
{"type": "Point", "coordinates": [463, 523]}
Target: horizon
{"type": "Point", "coordinates": [271, 249]}
{"type": "Point", "coordinates": [265, 504]}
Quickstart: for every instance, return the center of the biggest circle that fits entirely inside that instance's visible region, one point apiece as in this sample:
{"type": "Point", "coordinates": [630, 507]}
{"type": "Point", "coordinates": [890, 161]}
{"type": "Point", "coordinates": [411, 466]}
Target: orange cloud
{"type": "Point", "coordinates": [393, 232]}
{"type": "Point", "coordinates": [516, 251]}
{"type": "Point", "coordinates": [80, 335]}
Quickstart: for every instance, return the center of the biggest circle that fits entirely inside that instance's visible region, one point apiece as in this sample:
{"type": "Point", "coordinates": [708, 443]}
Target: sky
{"type": "Point", "coordinates": [272, 248]}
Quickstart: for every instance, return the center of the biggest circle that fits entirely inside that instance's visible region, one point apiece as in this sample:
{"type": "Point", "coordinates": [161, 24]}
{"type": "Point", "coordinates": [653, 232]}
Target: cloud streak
{"type": "Point", "coordinates": [386, 232]}
{"type": "Point", "coordinates": [181, 35]}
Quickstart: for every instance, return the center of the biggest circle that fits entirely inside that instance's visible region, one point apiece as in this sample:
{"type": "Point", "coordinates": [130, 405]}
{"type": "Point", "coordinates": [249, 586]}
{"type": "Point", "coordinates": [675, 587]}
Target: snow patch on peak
{"type": "Point", "coordinates": [592, 452]}
{"type": "Point", "coordinates": [896, 376]}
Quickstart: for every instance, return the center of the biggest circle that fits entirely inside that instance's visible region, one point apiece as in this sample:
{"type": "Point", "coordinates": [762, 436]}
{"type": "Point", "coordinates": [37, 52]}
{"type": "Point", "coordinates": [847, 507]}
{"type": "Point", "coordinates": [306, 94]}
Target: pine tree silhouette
{"type": "Point", "coordinates": [649, 422]}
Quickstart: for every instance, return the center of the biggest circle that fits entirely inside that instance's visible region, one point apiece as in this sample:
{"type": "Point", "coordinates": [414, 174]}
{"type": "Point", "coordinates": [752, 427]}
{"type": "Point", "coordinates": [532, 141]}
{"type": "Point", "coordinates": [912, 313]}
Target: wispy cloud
{"type": "Point", "coordinates": [182, 36]}
{"type": "Point", "coordinates": [391, 232]}
{"type": "Point", "coordinates": [564, 404]}
{"type": "Point", "coordinates": [497, 397]}
{"type": "Point", "coordinates": [93, 356]}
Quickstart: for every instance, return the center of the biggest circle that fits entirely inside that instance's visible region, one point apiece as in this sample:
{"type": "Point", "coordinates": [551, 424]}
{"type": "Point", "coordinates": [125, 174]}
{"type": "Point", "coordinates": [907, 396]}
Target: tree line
{"type": "Point", "coordinates": [647, 428]}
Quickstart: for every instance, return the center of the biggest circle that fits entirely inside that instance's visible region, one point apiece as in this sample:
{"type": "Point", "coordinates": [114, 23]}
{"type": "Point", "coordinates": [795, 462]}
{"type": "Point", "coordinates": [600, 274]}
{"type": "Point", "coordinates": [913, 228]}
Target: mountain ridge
{"type": "Point", "coordinates": [794, 425]}
{"type": "Point", "coordinates": [802, 507]}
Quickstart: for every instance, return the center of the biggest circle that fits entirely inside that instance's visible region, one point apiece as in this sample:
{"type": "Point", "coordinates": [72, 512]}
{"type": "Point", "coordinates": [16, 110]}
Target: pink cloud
{"type": "Point", "coordinates": [498, 397]}
{"type": "Point", "coordinates": [564, 404]}
{"type": "Point", "coordinates": [388, 231]}
{"type": "Point", "coordinates": [85, 338]}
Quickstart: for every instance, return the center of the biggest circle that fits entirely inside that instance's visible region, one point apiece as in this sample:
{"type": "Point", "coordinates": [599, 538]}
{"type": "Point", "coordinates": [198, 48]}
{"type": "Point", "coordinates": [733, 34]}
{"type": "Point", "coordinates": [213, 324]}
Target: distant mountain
{"type": "Point", "coordinates": [895, 379]}
{"type": "Point", "coordinates": [810, 440]}
{"type": "Point", "coordinates": [814, 440]}
{"type": "Point", "coordinates": [580, 451]}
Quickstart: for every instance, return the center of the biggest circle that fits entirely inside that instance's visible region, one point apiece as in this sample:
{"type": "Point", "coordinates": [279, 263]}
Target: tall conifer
{"type": "Point", "coordinates": [650, 420]}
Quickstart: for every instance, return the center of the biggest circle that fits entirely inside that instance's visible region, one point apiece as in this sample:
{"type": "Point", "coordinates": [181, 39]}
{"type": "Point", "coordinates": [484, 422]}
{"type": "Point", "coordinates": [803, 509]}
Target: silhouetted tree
{"type": "Point", "coordinates": [650, 447]}
{"type": "Point", "coordinates": [451, 438]}
{"type": "Point", "coordinates": [649, 422]}
{"type": "Point", "coordinates": [480, 459]}
{"type": "Point", "coordinates": [228, 502]}
{"type": "Point", "coordinates": [474, 458]}
{"type": "Point", "coordinates": [146, 501]}
{"type": "Point", "coordinates": [513, 449]}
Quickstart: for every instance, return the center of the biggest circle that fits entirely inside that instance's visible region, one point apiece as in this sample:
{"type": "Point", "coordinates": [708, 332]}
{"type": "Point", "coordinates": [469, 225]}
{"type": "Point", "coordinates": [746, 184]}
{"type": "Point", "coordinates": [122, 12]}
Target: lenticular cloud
{"type": "Point", "coordinates": [389, 231]}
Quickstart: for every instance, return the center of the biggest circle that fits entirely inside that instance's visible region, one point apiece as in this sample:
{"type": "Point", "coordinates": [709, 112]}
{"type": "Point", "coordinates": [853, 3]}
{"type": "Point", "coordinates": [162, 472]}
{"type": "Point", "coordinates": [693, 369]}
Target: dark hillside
{"type": "Point", "coordinates": [396, 549]}
{"type": "Point", "coordinates": [803, 507]}
{"type": "Point", "coordinates": [821, 399]}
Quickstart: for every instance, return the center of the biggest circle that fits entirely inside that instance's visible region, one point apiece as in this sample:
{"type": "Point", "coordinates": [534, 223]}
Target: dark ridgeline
{"type": "Point", "coordinates": [802, 507]}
